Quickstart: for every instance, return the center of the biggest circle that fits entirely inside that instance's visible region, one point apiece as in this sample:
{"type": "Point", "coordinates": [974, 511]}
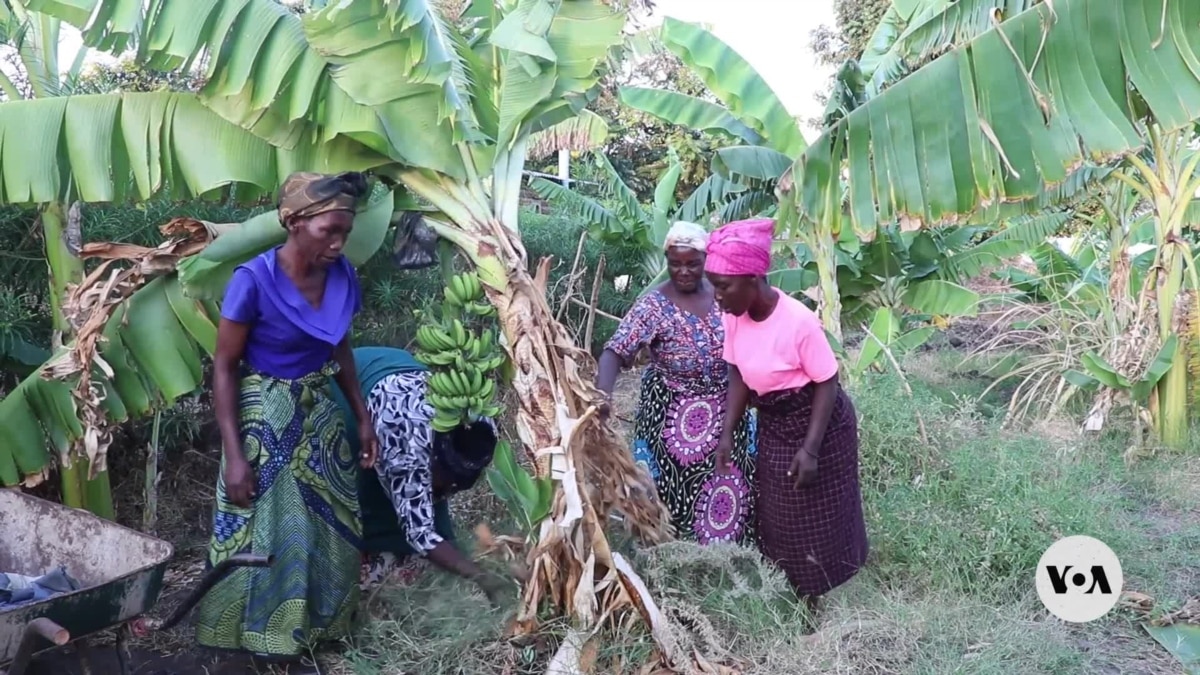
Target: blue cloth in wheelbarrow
{"type": "Point", "coordinates": [18, 589]}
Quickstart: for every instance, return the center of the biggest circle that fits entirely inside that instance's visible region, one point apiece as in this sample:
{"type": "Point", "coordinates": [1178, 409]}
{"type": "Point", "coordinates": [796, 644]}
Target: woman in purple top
{"type": "Point", "coordinates": [288, 477]}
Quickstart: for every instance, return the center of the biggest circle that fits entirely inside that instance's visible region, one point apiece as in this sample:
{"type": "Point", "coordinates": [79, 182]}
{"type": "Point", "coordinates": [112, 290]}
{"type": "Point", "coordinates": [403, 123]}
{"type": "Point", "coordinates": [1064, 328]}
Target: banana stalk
{"type": "Point", "coordinates": [569, 553]}
{"type": "Point", "coordinates": [81, 487]}
{"type": "Point", "coordinates": [1168, 183]}
{"type": "Point", "coordinates": [821, 240]}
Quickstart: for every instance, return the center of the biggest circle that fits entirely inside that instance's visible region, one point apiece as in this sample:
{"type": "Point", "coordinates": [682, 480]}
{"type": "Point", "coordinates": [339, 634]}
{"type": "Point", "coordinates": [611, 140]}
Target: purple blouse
{"type": "Point", "coordinates": [289, 338]}
{"type": "Point", "coordinates": [684, 348]}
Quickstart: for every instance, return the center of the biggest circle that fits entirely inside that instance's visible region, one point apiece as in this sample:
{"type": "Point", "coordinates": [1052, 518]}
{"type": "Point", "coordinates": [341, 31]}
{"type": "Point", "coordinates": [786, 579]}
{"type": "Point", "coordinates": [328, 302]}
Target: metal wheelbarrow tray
{"type": "Point", "coordinates": [119, 570]}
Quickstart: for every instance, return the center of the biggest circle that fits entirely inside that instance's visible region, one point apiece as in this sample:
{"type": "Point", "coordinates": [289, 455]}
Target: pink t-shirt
{"type": "Point", "coordinates": [786, 351]}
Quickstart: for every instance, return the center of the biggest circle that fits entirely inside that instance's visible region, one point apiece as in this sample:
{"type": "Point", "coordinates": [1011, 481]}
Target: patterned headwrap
{"type": "Point", "coordinates": [741, 248]}
{"type": "Point", "coordinates": [305, 194]}
{"type": "Point", "coordinates": [686, 235]}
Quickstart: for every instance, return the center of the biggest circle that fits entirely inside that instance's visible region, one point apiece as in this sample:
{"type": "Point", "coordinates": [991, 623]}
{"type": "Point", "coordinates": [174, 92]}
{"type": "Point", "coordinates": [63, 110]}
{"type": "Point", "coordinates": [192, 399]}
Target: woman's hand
{"type": "Point", "coordinates": [369, 444]}
{"type": "Point", "coordinates": [239, 480]}
{"type": "Point", "coordinates": [803, 468]}
{"type": "Point", "coordinates": [724, 452]}
{"type": "Point", "coordinates": [604, 407]}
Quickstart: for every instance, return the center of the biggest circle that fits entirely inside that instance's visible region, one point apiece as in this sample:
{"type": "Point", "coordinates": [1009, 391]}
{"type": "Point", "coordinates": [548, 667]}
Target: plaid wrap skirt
{"type": "Point", "coordinates": [815, 534]}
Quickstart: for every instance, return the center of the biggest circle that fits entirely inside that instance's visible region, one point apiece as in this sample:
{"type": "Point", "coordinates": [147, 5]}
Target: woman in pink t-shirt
{"type": "Point", "coordinates": [810, 516]}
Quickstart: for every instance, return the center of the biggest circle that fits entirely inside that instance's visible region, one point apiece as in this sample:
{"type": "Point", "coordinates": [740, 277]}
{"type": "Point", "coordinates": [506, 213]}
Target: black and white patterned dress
{"type": "Point", "coordinates": [402, 424]}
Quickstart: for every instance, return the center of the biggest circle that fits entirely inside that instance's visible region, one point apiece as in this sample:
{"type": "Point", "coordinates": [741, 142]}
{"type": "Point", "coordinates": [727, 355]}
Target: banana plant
{"type": "Point", "coordinates": [34, 39]}
{"type": "Point", "coordinates": [902, 281]}
{"type": "Point", "coordinates": [618, 216]}
{"type": "Point", "coordinates": [153, 345]}
{"type": "Point", "coordinates": [528, 498]}
{"type": "Point", "coordinates": [743, 175]}
{"type": "Point", "coordinates": [1027, 103]}
{"type": "Point", "coordinates": [393, 87]}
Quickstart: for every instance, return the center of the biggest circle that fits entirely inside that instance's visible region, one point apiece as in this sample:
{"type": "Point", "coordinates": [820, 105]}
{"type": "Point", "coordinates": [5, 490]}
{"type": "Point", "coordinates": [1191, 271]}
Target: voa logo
{"type": "Point", "coordinates": [1079, 579]}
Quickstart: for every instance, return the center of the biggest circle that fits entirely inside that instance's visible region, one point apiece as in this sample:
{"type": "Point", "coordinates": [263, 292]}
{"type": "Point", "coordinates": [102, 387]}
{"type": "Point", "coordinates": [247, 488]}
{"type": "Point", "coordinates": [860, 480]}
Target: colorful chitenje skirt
{"type": "Point", "coordinates": [815, 534]}
{"type": "Point", "coordinates": [675, 437]}
{"type": "Point", "coordinates": [305, 514]}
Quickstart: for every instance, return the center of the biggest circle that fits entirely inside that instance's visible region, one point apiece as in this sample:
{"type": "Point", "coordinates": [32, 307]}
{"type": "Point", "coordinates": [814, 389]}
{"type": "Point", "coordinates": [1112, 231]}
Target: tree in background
{"type": "Point", "coordinates": [639, 144]}
{"type": "Point", "coordinates": [127, 75]}
{"type": "Point", "coordinates": [855, 22]}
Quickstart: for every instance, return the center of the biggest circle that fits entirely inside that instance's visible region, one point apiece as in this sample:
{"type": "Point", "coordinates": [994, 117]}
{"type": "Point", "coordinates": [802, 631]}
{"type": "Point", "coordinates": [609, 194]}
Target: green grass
{"type": "Point", "coordinates": [956, 528]}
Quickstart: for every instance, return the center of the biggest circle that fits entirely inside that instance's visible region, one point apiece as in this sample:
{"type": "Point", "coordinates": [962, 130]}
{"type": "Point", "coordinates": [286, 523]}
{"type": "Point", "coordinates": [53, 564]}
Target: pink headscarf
{"type": "Point", "coordinates": [741, 248]}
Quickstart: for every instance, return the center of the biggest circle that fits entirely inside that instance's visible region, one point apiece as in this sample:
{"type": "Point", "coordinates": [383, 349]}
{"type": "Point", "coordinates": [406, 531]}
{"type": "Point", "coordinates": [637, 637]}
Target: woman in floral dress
{"type": "Point", "coordinates": [682, 406]}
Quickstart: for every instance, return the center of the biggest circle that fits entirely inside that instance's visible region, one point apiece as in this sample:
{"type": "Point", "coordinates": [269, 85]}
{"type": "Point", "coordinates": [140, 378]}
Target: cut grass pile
{"type": "Point", "coordinates": [956, 529]}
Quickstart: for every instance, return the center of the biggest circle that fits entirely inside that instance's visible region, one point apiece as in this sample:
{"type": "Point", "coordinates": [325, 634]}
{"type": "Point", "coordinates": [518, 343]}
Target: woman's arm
{"type": "Point", "coordinates": [231, 345]}
{"type": "Point", "coordinates": [607, 370]}
{"type": "Point", "coordinates": [347, 379]}
{"type": "Point", "coordinates": [824, 396]}
{"type": "Point", "coordinates": [736, 399]}
{"type": "Point", "coordinates": [820, 363]}
{"type": "Point", "coordinates": [637, 330]}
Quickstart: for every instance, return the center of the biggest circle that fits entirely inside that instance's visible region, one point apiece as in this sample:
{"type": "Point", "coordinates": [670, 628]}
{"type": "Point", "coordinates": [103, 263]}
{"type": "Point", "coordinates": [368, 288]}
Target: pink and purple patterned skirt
{"type": "Point", "coordinates": [675, 437]}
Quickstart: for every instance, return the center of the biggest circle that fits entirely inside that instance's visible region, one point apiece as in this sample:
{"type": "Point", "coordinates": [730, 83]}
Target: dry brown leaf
{"type": "Point", "coordinates": [89, 306]}
{"type": "Point", "coordinates": [590, 655]}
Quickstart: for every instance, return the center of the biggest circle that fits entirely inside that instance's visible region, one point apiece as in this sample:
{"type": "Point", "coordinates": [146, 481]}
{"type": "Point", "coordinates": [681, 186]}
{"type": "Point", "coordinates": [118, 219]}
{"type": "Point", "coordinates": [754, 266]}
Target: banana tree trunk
{"type": "Point", "coordinates": [592, 470]}
{"type": "Point", "coordinates": [829, 302]}
{"type": "Point", "coordinates": [63, 234]}
{"type": "Point", "coordinates": [1173, 399]}
{"type": "Point", "coordinates": [63, 237]}
{"type": "Point", "coordinates": [1173, 307]}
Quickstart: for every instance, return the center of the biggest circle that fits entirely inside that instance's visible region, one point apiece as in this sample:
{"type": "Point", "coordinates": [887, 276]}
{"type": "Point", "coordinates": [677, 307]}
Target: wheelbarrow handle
{"type": "Point", "coordinates": [40, 628]}
{"type": "Point", "coordinates": [210, 579]}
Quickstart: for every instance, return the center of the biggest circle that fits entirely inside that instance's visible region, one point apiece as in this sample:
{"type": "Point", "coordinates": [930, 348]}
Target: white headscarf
{"type": "Point", "coordinates": [686, 235]}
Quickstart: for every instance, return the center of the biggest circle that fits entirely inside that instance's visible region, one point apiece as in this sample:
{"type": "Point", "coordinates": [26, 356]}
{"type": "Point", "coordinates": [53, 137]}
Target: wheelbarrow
{"type": "Point", "coordinates": [119, 570]}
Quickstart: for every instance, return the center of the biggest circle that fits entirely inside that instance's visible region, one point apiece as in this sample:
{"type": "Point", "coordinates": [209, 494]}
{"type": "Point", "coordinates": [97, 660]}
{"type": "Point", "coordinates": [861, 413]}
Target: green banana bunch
{"type": "Point", "coordinates": [461, 386]}
{"type": "Point", "coordinates": [464, 290]}
{"type": "Point", "coordinates": [480, 309]}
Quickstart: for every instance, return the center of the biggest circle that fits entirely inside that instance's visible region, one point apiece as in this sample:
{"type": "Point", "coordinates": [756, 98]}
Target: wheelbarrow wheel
{"type": "Point", "coordinates": [36, 630]}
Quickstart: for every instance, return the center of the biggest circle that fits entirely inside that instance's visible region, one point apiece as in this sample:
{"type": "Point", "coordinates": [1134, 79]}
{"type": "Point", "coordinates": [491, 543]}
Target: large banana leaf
{"type": "Point", "coordinates": [264, 75]}
{"type": "Point", "coordinates": [938, 25]}
{"type": "Point", "coordinates": [943, 298]}
{"type": "Point", "coordinates": [688, 111]}
{"type": "Point", "coordinates": [155, 343]}
{"type": "Point", "coordinates": [972, 130]}
{"type": "Point", "coordinates": [748, 164]}
{"type": "Point", "coordinates": [912, 32]}
{"type": "Point", "coordinates": [97, 142]}
{"type": "Point", "coordinates": [733, 80]}
{"type": "Point", "coordinates": [388, 75]}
